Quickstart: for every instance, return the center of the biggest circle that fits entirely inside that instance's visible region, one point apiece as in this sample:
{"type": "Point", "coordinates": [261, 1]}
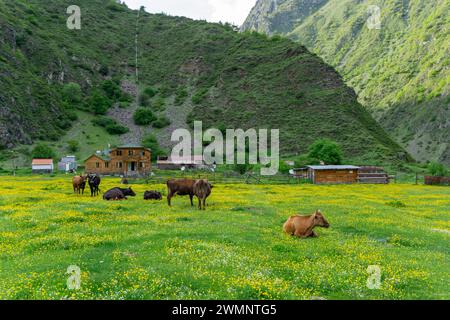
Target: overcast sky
{"type": "Point", "coordinates": [232, 11]}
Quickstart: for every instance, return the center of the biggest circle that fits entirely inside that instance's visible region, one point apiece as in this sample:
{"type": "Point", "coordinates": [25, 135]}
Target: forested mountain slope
{"type": "Point", "coordinates": [189, 70]}
{"type": "Point", "coordinates": [399, 71]}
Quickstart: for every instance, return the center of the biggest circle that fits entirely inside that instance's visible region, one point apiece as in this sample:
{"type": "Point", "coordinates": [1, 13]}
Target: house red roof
{"type": "Point", "coordinates": [42, 161]}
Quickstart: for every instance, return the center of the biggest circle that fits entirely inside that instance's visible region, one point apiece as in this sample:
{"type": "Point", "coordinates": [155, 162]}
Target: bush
{"type": "Point", "coordinates": [111, 126]}
{"type": "Point", "coordinates": [43, 151]}
{"type": "Point", "coordinates": [104, 70]}
{"type": "Point", "coordinates": [98, 102]}
{"type": "Point", "coordinates": [181, 96]}
{"type": "Point", "coordinates": [327, 151]}
{"type": "Point", "coordinates": [437, 169]}
{"type": "Point", "coordinates": [150, 92]}
{"type": "Point", "coordinates": [73, 146]}
{"type": "Point", "coordinates": [72, 93]}
{"type": "Point", "coordinates": [143, 117]}
{"type": "Point", "coordinates": [112, 90]}
{"type": "Point", "coordinates": [161, 123]}
{"type": "Point", "coordinates": [242, 168]}
{"type": "Point", "coordinates": [117, 129]}
{"type": "Point", "coordinates": [144, 100]}
{"type": "Point", "coordinates": [159, 104]}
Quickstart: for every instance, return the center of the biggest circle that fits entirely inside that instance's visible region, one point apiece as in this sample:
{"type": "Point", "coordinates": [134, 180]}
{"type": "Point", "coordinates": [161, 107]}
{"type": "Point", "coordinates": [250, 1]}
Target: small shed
{"type": "Point", "coordinates": [335, 174]}
{"type": "Point", "coordinates": [67, 164]}
{"type": "Point", "coordinates": [42, 166]}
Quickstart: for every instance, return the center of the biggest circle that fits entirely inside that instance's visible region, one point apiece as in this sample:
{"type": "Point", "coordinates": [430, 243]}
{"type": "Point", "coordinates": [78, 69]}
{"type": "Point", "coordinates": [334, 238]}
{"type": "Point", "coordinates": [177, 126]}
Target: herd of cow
{"type": "Point", "coordinates": [298, 225]}
{"type": "Point", "coordinates": [200, 188]}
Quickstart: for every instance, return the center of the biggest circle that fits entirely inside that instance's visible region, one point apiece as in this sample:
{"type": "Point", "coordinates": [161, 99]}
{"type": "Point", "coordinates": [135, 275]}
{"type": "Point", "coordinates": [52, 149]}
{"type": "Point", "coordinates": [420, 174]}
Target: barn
{"type": "Point", "coordinates": [336, 174]}
{"type": "Point", "coordinates": [42, 166]}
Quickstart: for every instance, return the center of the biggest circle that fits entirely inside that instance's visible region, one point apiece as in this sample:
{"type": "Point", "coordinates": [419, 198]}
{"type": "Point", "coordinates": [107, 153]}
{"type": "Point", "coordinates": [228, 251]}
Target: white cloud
{"type": "Point", "coordinates": [233, 11]}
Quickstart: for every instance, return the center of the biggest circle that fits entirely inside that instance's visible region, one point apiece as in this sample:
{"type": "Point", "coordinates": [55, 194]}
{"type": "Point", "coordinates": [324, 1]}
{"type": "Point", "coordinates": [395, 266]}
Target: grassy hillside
{"type": "Point", "coordinates": [193, 70]}
{"type": "Point", "coordinates": [400, 72]}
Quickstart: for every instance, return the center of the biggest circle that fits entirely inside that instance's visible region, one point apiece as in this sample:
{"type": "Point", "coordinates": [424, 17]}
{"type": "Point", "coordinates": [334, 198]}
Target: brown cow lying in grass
{"type": "Point", "coordinates": [302, 226]}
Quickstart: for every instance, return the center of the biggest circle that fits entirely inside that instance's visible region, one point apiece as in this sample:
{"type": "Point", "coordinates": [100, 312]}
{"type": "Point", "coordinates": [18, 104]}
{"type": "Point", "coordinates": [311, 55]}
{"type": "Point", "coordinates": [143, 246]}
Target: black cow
{"type": "Point", "coordinates": [118, 194]}
{"type": "Point", "coordinates": [152, 195]}
{"type": "Point", "coordinates": [94, 184]}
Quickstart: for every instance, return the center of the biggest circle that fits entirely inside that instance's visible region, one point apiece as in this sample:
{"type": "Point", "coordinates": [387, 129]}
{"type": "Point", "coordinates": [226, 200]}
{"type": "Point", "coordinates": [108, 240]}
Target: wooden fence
{"type": "Point", "coordinates": [444, 181]}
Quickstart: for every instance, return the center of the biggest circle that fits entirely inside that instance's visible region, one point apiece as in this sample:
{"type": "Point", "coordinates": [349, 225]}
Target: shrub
{"type": "Point", "coordinates": [73, 145]}
{"type": "Point", "coordinates": [150, 92]}
{"type": "Point", "coordinates": [326, 150]}
{"type": "Point", "coordinates": [117, 129]}
{"type": "Point", "coordinates": [159, 104]}
{"type": "Point", "coordinates": [104, 70]}
{"type": "Point", "coordinates": [112, 90]}
{"type": "Point", "coordinates": [437, 169]}
{"type": "Point", "coordinates": [111, 126]}
{"type": "Point", "coordinates": [242, 168]}
{"type": "Point", "coordinates": [98, 102]}
{"type": "Point", "coordinates": [72, 93]}
{"type": "Point", "coordinates": [143, 117]}
{"type": "Point", "coordinates": [43, 151]}
{"type": "Point", "coordinates": [161, 122]}
{"type": "Point", "coordinates": [181, 96]}
{"type": "Point", "coordinates": [144, 100]}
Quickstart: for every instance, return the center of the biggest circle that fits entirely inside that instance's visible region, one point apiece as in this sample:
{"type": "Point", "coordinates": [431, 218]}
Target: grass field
{"type": "Point", "coordinates": [234, 250]}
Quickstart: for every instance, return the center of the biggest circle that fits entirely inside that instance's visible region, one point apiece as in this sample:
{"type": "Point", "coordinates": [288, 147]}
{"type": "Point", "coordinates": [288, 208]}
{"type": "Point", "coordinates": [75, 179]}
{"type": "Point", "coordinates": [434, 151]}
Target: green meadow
{"type": "Point", "coordinates": [235, 250]}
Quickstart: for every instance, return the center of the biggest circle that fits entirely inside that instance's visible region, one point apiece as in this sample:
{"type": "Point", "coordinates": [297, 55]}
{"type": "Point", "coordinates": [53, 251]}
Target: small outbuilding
{"type": "Point", "coordinates": [335, 174]}
{"type": "Point", "coordinates": [42, 166]}
{"type": "Point", "coordinates": [67, 164]}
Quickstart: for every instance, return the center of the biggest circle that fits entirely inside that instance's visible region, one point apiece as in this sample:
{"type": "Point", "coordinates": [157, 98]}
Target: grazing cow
{"type": "Point", "coordinates": [152, 195]}
{"type": "Point", "coordinates": [181, 187]}
{"type": "Point", "coordinates": [118, 194]}
{"type": "Point", "coordinates": [302, 226]}
{"type": "Point", "coordinates": [79, 184]}
{"type": "Point", "coordinates": [202, 190]}
{"type": "Point", "coordinates": [94, 184]}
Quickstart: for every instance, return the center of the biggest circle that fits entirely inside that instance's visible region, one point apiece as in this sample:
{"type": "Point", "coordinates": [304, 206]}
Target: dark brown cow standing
{"type": "Point", "coordinates": [79, 184]}
{"type": "Point", "coordinates": [302, 226]}
{"type": "Point", "coordinates": [202, 190]}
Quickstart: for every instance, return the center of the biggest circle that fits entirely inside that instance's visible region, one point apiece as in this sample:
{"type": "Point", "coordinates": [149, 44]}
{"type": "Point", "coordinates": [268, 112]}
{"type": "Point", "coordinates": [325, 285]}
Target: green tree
{"type": "Point", "coordinates": [98, 102]}
{"type": "Point", "coordinates": [143, 117]}
{"type": "Point", "coordinates": [72, 93]}
{"type": "Point", "coordinates": [112, 90]}
{"type": "Point", "coordinates": [326, 150]}
{"type": "Point", "coordinates": [43, 151]}
{"type": "Point", "coordinates": [437, 169]}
